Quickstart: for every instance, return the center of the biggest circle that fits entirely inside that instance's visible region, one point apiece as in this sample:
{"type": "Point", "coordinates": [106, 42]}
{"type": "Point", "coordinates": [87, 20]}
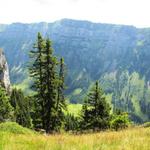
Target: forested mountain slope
{"type": "Point", "coordinates": [117, 55]}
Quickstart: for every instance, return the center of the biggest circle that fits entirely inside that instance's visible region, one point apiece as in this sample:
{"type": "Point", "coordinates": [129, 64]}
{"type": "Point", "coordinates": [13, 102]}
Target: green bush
{"type": "Point", "coordinates": [146, 124]}
{"type": "Point", "coordinates": [120, 121]}
{"type": "Point", "coordinates": [13, 127]}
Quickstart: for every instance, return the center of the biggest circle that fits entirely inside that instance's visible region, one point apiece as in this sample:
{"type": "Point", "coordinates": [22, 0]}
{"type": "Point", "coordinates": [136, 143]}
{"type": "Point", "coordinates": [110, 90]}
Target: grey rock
{"type": "Point", "coordinates": [4, 72]}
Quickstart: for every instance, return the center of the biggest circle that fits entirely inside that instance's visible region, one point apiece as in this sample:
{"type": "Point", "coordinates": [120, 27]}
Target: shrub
{"type": "Point", "coordinates": [146, 124]}
{"type": "Point", "coordinates": [13, 127]}
{"type": "Point", "coordinates": [120, 121]}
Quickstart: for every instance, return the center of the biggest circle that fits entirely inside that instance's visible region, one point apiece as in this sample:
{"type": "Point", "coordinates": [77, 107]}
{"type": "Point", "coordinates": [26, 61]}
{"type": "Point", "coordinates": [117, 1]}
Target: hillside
{"type": "Point", "coordinates": [117, 55]}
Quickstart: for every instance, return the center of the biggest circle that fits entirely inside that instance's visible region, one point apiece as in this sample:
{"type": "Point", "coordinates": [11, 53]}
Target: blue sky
{"type": "Point", "coordinates": [129, 12]}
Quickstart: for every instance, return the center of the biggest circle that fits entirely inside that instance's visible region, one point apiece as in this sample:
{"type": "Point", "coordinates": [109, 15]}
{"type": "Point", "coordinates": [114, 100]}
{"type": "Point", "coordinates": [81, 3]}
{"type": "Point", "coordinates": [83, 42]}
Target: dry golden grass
{"type": "Point", "coordinates": [131, 139]}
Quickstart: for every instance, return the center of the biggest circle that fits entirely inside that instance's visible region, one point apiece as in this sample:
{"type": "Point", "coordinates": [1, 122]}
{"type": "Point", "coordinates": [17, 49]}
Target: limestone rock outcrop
{"type": "Point", "coordinates": [4, 72]}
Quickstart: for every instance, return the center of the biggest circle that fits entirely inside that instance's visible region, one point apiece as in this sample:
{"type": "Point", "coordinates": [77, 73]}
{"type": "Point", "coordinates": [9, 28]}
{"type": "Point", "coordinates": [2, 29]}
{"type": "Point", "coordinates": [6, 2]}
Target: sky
{"type": "Point", "coordinates": [128, 12]}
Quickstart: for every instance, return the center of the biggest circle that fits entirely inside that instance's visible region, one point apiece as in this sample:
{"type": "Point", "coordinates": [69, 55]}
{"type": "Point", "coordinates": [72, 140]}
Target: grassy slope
{"type": "Point", "coordinates": [74, 109]}
{"type": "Point", "coordinates": [13, 127]}
{"type": "Point", "coordinates": [130, 139]}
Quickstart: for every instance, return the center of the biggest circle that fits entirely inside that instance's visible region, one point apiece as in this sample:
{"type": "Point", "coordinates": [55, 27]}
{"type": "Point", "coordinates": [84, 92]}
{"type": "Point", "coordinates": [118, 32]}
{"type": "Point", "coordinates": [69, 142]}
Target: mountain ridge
{"type": "Point", "coordinates": [76, 20]}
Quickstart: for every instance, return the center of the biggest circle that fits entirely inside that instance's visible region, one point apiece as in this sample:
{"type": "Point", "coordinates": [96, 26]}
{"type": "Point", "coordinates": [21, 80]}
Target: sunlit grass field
{"type": "Point", "coordinates": [137, 138]}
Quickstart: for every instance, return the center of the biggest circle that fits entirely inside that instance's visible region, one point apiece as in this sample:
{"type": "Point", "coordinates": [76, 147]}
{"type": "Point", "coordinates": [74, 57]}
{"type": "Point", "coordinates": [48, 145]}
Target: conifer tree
{"type": "Point", "coordinates": [72, 123]}
{"type": "Point", "coordinates": [61, 103]}
{"type": "Point", "coordinates": [50, 76]}
{"type": "Point", "coordinates": [95, 111]}
{"type": "Point", "coordinates": [48, 85]}
{"type": "Point", "coordinates": [36, 72]}
{"type": "Point", "coordinates": [61, 86]}
{"type": "Point", "coordinates": [6, 110]}
{"type": "Point", "coordinates": [21, 108]}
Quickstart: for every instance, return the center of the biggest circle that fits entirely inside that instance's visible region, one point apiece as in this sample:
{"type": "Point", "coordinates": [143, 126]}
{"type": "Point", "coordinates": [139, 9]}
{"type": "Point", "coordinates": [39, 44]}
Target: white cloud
{"type": "Point", "coordinates": [132, 12]}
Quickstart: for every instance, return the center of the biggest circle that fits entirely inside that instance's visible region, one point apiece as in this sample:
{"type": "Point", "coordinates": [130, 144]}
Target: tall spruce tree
{"type": "Point", "coordinates": [36, 72]}
{"type": "Point", "coordinates": [61, 86]}
{"type": "Point", "coordinates": [48, 85]}
{"type": "Point", "coordinates": [95, 111]}
{"type": "Point", "coordinates": [61, 103]}
{"type": "Point", "coordinates": [50, 75]}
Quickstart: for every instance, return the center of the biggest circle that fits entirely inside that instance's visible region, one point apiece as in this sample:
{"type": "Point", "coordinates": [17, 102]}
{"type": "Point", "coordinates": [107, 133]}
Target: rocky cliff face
{"type": "Point", "coordinates": [4, 72]}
